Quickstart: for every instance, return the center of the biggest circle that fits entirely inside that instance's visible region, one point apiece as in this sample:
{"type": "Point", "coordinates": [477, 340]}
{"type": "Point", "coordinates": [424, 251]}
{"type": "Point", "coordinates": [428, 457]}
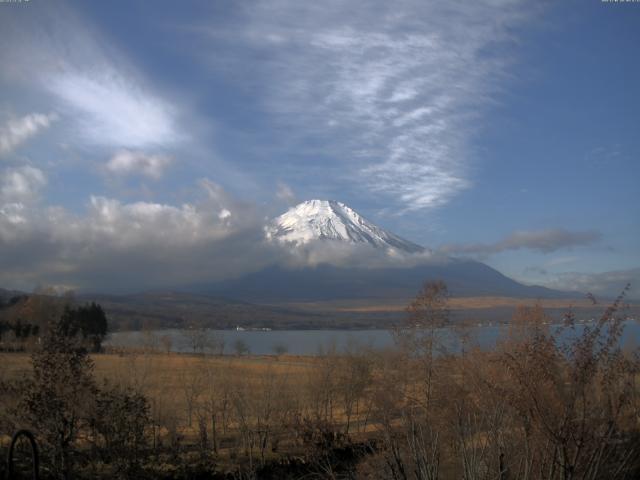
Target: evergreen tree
{"type": "Point", "coordinates": [60, 396]}
{"type": "Point", "coordinates": [89, 321]}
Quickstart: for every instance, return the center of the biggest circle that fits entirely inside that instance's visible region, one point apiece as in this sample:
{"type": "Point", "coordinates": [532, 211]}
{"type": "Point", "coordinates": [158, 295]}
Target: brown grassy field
{"type": "Point", "coordinates": [457, 303]}
{"type": "Point", "coordinates": [171, 369]}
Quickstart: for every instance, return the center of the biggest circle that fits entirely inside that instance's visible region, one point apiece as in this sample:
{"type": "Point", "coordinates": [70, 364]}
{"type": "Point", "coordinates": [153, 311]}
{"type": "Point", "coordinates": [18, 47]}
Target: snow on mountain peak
{"type": "Point", "coordinates": [331, 220]}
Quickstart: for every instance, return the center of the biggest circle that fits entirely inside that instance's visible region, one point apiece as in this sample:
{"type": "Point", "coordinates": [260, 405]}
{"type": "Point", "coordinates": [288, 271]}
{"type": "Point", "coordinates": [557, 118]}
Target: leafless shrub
{"type": "Point", "coordinates": [574, 393]}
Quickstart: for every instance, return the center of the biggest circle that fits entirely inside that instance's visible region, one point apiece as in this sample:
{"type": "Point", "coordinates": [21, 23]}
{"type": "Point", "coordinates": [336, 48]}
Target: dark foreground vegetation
{"type": "Point", "coordinates": [535, 408]}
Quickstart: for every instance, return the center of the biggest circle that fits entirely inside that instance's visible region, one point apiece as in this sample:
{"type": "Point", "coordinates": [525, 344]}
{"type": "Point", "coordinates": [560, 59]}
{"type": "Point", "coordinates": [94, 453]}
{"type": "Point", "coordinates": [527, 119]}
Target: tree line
{"type": "Point", "coordinates": [24, 319]}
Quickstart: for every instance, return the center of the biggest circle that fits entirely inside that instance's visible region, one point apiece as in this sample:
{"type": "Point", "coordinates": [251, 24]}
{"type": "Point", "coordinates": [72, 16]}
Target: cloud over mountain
{"type": "Point", "coordinates": [113, 244]}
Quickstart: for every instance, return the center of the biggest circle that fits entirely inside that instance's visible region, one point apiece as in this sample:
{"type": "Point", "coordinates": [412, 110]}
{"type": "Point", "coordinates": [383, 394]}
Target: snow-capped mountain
{"type": "Point", "coordinates": [322, 279]}
{"type": "Point", "coordinates": [331, 220]}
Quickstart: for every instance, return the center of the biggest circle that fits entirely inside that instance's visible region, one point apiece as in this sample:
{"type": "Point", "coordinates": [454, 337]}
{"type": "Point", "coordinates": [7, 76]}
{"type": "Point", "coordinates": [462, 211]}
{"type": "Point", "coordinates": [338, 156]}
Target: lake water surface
{"type": "Point", "coordinates": [311, 342]}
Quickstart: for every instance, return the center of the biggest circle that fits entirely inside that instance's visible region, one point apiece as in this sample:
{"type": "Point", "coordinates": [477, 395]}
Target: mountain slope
{"type": "Point", "coordinates": [326, 282]}
{"type": "Point", "coordinates": [331, 220]}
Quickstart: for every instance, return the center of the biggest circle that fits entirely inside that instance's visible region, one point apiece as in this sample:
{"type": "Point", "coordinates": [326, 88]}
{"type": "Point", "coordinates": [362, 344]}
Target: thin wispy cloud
{"type": "Point", "coordinates": [609, 283]}
{"type": "Point", "coordinates": [128, 162]}
{"type": "Point", "coordinates": [544, 241]}
{"type": "Point", "coordinates": [113, 110]}
{"type": "Point", "coordinates": [16, 131]}
{"type": "Point", "coordinates": [555, 262]}
{"type": "Point", "coordinates": [286, 194]}
{"type": "Point", "coordinates": [389, 93]}
{"type": "Point", "coordinates": [103, 99]}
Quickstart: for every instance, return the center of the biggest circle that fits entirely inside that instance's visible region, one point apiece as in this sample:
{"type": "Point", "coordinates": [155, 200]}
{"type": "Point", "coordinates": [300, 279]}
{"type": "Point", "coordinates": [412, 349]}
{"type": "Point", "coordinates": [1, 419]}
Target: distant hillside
{"type": "Point", "coordinates": [181, 309]}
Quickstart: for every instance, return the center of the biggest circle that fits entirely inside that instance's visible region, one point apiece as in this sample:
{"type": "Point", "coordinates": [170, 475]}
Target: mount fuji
{"type": "Point", "coordinates": [316, 223]}
{"type": "Point", "coordinates": [331, 220]}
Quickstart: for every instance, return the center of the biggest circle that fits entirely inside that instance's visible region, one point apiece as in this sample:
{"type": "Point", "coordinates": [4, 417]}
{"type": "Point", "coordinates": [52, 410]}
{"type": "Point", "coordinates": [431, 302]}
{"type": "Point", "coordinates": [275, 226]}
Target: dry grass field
{"type": "Point", "coordinates": [174, 377]}
{"type": "Point", "coordinates": [171, 366]}
{"type": "Point", "coordinates": [455, 303]}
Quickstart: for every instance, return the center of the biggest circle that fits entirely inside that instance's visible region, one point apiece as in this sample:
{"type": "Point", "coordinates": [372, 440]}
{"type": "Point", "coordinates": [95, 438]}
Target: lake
{"type": "Point", "coordinates": [308, 342]}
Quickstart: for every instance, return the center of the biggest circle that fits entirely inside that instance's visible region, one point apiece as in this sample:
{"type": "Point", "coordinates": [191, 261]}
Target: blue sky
{"type": "Point", "coordinates": [138, 138]}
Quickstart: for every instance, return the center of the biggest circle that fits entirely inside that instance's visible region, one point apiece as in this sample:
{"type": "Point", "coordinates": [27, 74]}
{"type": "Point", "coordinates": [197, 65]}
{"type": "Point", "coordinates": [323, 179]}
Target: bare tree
{"type": "Point", "coordinates": [215, 342]}
{"type": "Point", "coordinates": [167, 343]}
{"type": "Point", "coordinates": [196, 338]}
{"type": "Point", "coordinates": [279, 349]}
{"type": "Point", "coordinates": [353, 379]}
{"type": "Point", "coordinates": [573, 391]}
{"type": "Point", "coordinates": [421, 334]}
{"type": "Point", "coordinates": [240, 347]}
{"type": "Point", "coordinates": [193, 384]}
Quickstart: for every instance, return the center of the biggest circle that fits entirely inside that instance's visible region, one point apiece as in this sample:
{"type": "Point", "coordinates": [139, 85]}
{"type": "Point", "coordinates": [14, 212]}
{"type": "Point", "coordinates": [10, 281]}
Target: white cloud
{"type": "Point", "coordinates": [12, 214]}
{"type": "Point", "coordinates": [129, 225]}
{"type": "Point", "coordinates": [224, 214]}
{"type": "Point", "coordinates": [19, 194]}
{"type": "Point", "coordinates": [18, 130]}
{"type": "Point", "coordinates": [22, 184]}
{"type": "Point", "coordinates": [358, 255]}
{"type": "Point", "coordinates": [128, 162]}
{"type": "Point", "coordinates": [390, 89]}
{"type": "Point", "coordinates": [114, 110]}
